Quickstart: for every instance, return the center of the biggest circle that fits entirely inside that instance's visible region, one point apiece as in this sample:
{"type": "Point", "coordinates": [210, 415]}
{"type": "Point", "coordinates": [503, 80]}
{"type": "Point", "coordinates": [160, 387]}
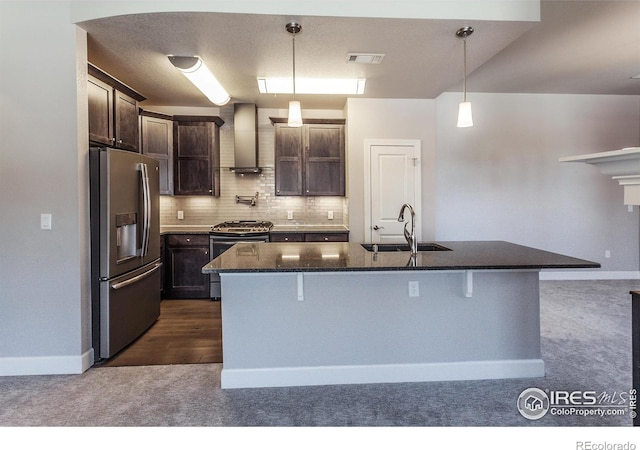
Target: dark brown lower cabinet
{"type": "Point", "coordinates": [185, 254]}
{"type": "Point", "coordinates": [284, 236]}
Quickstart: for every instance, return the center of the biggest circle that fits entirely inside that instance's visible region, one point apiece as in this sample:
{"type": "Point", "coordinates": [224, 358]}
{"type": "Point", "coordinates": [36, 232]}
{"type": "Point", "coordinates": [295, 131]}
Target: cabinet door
{"type": "Point", "coordinates": [126, 122]}
{"type": "Point", "coordinates": [324, 160]}
{"type": "Point", "coordinates": [157, 142]}
{"type": "Point", "coordinates": [186, 254]}
{"type": "Point", "coordinates": [187, 280]}
{"type": "Point", "coordinates": [100, 112]}
{"type": "Point", "coordinates": [194, 159]}
{"type": "Point", "coordinates": [288, 160]}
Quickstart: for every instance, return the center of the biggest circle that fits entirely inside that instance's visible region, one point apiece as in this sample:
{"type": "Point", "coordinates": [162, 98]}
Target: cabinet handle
{"type": "Point", "coordinates": [120, 141]}
{"type": "Point", "coordinates": [326, 239]}
{"type": "Point", "coordinates": [286, 239]}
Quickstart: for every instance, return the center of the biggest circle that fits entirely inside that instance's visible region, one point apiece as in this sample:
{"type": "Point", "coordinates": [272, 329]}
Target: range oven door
{"type": "Point", "coordinates": [220, 244]}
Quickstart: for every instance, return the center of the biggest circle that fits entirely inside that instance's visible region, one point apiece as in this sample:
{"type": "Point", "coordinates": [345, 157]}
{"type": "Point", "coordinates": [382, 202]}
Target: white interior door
{"type": "Point", "coordinates": [392, 178]}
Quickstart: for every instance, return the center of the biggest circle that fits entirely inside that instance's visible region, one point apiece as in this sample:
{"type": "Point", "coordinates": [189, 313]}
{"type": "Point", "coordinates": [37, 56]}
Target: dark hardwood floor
{"type": "Point", "coordinates": [187, 332]}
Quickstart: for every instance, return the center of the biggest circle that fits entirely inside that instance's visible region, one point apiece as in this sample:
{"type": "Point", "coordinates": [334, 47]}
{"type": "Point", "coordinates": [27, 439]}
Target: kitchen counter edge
{"type": "Point", "coordinates": [464, 255]}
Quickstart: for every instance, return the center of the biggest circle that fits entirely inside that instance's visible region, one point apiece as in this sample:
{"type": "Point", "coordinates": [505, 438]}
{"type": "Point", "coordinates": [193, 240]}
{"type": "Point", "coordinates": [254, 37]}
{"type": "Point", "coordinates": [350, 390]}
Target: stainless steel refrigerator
{"type": "Point", "coordinates": [125, 248]}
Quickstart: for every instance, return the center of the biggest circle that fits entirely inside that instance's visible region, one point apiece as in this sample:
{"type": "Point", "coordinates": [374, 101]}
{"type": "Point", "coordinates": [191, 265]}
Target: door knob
{"type": "Point", "coordinates": [376, 227]}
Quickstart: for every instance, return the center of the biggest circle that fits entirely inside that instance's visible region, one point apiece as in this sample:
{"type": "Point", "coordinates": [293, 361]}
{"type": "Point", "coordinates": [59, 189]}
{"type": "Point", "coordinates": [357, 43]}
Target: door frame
{"type": "Point", "coordinates": [417, 195]}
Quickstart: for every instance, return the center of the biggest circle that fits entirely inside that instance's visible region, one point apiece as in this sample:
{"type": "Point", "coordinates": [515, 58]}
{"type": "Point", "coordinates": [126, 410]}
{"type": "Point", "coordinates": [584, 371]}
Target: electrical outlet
{"type": "Point", "coordinates": [414, 289]}
{"type": "Point", "coordinates": [289, 215]}
{"type": "Point", "coordinates": [180, 215]}
{"type": "Point", "coordinates": [607, 253]}
{"type": "Point", "coordinates": [330, 215]}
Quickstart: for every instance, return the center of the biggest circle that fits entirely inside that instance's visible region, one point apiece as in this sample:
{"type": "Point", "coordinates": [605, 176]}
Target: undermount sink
{"type": "Point", "coordinates": [422, 247]}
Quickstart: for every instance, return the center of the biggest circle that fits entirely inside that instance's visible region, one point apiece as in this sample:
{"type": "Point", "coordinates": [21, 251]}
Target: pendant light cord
{"type": "Point", "coordinates": [294, 65]}
{"type": "Point", "coordinates": [464, 75]}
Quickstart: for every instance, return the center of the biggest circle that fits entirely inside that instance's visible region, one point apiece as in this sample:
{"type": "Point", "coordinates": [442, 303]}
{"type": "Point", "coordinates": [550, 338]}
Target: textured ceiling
{"type": "Point", "coordinates": [578, 47]}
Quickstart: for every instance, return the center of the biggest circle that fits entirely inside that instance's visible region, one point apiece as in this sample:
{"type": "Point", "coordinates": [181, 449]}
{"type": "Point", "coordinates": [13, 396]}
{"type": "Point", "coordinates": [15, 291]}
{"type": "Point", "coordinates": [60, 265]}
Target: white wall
{"type": "Point", "coordinates": [44, 295]}
{"type": "Point", "coordinates": [389, 119]}
{"type": "Point", "coordinates": [502, 180]}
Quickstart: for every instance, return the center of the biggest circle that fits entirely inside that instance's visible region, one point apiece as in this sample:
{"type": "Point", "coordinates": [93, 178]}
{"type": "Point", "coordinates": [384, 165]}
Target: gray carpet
{"type": "Point", "coordinates": [586, 345]}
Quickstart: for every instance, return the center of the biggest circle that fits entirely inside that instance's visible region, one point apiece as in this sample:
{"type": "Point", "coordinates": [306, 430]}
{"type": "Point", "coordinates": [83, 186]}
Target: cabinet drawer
{"type": "Point", "coordinates": [188, 240]}
{"type": "Point", "coordinates": [286, 237]}
{"type": "Point", "coordinates": [326, 237]}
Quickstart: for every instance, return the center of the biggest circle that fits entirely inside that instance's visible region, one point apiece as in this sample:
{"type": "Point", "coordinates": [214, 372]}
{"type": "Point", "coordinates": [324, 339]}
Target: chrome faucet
{"type": "Point", "coordinates": [410, 237]}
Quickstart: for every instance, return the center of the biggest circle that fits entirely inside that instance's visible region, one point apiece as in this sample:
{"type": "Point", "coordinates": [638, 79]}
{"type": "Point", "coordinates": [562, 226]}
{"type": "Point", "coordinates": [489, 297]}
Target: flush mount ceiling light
{"type": "Point", "coordinates": [465, 118]}
{"type": "Point", "coordinates": [326, 86]}
{"type": "Point", "coordinates": [197, 72]}
{"type": "Point", "coordinates": [295, 112]}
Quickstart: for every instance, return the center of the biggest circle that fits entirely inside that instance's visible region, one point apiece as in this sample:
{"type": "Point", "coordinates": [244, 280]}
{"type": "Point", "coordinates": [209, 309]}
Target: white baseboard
{"type": "Point", "coordinates": [46, 365]}
{"type": "Point", "coordinates": [558, 275]}
{"type": "Point", "coordinates": [388, 373]}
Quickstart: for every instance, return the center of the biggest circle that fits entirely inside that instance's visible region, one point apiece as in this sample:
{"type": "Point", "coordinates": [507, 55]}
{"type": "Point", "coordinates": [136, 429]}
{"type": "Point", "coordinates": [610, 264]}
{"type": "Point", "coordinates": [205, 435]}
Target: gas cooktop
{"type": "Point", "coordinates": [242, 226]}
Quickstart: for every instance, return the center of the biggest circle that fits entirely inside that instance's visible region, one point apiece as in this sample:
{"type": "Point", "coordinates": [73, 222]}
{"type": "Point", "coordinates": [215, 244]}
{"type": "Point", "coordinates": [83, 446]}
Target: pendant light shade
{"type": "Point", "coordinates": [465, 118]}
{"type": "Point", "coordinates": [295, 112]}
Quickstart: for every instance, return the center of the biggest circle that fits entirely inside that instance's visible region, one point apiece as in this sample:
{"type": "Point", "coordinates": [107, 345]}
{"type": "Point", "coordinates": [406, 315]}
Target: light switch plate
{"type": "Point", "coordinates": [45, 221]}
{"type": "Point", "coordinates": [290, 215]}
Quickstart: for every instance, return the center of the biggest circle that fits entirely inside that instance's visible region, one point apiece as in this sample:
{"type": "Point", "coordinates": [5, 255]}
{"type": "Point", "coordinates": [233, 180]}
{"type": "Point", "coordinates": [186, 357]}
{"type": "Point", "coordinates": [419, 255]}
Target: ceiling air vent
{"type": "Point", "coordinates": [365, 58]}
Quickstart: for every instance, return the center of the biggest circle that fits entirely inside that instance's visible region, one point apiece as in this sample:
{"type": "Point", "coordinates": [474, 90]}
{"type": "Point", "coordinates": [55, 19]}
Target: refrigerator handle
{"type": "Point", "coordinates": [136, 278]}
{"type": "Point", "coordinates": [146, 220]}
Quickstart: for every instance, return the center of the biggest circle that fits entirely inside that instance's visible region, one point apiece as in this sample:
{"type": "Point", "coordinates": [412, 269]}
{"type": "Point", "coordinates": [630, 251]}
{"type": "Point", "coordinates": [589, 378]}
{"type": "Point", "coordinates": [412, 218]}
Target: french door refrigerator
{"type": "Point", "coordinates": [125, 248]}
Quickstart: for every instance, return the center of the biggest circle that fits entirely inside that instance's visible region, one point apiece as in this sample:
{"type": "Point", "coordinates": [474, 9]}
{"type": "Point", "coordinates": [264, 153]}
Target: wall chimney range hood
{"type": "Point", "coordinates": [245, 126]}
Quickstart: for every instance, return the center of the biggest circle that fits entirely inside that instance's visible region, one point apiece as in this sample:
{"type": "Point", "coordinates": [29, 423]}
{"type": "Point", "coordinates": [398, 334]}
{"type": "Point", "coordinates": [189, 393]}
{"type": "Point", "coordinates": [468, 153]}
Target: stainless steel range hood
{"type": "Point", "coordinates": [245, 126]}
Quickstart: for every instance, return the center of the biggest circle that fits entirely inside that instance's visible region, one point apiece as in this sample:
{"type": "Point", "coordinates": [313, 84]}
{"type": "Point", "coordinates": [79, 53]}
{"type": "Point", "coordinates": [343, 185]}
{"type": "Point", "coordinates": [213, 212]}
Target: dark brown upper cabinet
{"type": "Point", "coordinates": [310, 160]}
{"type": "Point", "coordinates": [113, 111]}
{"type": "Point", "coordinates": [157, 142]}
{"type": "Point", "coordinates": [196, 143]}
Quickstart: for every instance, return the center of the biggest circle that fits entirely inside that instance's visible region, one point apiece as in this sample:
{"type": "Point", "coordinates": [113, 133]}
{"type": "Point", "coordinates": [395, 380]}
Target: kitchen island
{"type": "Point", "coordinates": [336, 313]}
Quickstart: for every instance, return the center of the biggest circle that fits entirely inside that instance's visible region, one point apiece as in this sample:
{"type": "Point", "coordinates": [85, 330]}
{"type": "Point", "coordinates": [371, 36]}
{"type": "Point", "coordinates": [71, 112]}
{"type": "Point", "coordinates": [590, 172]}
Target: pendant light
{"type": "Point", "coordinates": [295, 113]}
{"type": "Point", "coordinates": [465, 118]}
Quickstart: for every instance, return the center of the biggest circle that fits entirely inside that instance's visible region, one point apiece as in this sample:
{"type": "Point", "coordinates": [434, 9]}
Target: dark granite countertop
{"type": "Point", "coordinates": [349, 256]}
{"type": "Point", "coordinates": [309, 229]}
{"type": "Point", "coordinates": [204, 229]}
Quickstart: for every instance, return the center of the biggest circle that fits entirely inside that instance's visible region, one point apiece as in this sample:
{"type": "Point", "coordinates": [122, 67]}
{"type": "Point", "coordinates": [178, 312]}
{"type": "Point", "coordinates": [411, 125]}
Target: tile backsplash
{"type": "Point", "coordinates": [205, 210]}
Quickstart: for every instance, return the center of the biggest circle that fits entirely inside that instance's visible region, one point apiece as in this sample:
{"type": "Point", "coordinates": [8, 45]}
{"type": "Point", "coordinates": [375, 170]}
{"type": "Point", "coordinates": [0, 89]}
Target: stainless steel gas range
{"type": "Point", "coordinates": [226, 234]}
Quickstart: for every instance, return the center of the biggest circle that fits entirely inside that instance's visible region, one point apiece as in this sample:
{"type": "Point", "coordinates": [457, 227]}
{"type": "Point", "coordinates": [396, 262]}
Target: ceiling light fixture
{"type": "Point", "coordinates": [324, 86]}
{"type": "Point", "coordinates": [197, 72]}
{"type": "Point", "coordinates": [465, 119]}
{"type": "Point", "coordinates": [295, 112]}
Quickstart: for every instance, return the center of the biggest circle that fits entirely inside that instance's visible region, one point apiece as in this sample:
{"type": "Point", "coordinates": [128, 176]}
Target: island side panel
{"type": "Point", "coordinates": [365, 322]}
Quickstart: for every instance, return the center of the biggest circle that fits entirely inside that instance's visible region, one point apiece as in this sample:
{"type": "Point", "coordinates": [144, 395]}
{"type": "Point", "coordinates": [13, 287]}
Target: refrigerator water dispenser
{"type": "Point", "coordinates": [126, 233]}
